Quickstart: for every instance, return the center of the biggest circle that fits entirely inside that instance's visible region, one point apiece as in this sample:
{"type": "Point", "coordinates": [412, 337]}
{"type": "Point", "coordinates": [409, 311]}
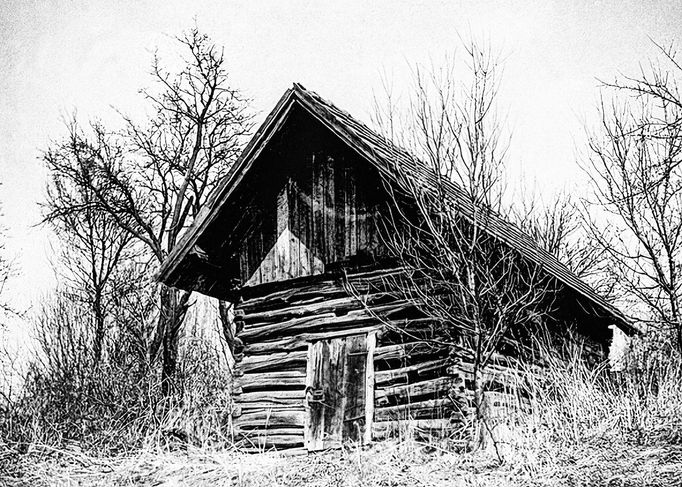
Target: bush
{"type": "Point", "coordinates": [113, 405]}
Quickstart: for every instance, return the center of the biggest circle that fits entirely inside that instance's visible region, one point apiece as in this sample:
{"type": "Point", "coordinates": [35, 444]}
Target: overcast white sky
{"type": "Point", "coordinates": [59, 56]}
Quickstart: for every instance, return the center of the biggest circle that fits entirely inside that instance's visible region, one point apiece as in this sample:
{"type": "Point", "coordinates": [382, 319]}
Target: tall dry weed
{"type": "Point", "coordinates": [569, 404]}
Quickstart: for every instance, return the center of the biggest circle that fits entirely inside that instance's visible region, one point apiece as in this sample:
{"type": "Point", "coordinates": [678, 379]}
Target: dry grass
{"type": "Point", "coordinates": [390, 463]}
{"type": "Point", "coordinates": [579, 427]}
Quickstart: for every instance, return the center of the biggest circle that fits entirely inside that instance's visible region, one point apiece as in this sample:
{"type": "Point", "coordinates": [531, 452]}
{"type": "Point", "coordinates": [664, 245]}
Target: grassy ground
{"type": "Point", "coordinates": [384, 464]}
{"type": "Point", "coordinates": [576, 426]}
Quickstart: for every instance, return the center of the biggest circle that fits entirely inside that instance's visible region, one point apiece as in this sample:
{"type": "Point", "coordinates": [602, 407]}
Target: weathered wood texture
{"type": "Point", "coordinates": [336, 391]}
{"type": "Point", "coordinates": [333, 349]}
{"type": "Point", "coordinates": [305, 204]}
{"type": "Point", "coordinates": [354, 388]}
{"type": "Point", "coordinates": [318, 218]}
{"type": "Point", "coordinates": [309, 336]}
{"type": "Point", "coordinates": [369, 386]}
{"type": "Point", "coordinates": [339, 341]}
{"type": "Point", "coordinates": [323, 412]}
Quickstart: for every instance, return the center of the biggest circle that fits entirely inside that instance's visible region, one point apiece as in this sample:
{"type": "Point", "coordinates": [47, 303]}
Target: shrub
{"type": "Point", "coordinates": [115, 404]}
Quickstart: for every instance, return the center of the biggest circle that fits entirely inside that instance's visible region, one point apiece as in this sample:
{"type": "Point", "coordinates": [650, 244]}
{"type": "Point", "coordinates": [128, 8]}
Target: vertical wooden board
{"type": "Point", "coordinates": [372, 237]}
{"type": "Point", "coordinates": [354, 387]}
{"type": "Point", "coordinates": [254, 244]}
{"type": "Point", "coordinates": [269, 240]}
{"type": "Point", "coordinates": [369, 387]}
{"type": "Point", "coordinates": [305, 220]}
{"type": "Point", "coordinates": [264, 260]}
{"type": "Point", "coordinates": [329, 210]}
{"type": "Point", "coordinates": [314, 418]}
{"type": "Point", "coordinates": [361, 221]}
{"type": "Point", "coordinates": [378, 243]}
{"type": "Point", "coordinates": [340, 380]}
{"type": "Point", "coordinates": [317, 247]}
{"type": "Point", "coordinates": [334, 394]}
{"type": "Point", "coordinates": [250, 255]}
{"type": "Point", "coordinates": [282, 265]}
{"type": "Point", "coordinates": [346, 211]}
{"type": "Point", "coordinates": [243, 261]}
{"type": "Point", "coordinates": [340, 209]}
{"type": "Point", "coordinates": [294, 239]}
{"type": "Point", "coordinates": [351, 227]}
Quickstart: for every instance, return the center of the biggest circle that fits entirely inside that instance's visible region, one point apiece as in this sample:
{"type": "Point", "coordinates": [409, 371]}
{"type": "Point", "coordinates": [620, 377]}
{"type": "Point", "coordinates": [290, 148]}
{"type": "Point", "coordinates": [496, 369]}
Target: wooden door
{"type": "Point", "coordinates": [339, 391]}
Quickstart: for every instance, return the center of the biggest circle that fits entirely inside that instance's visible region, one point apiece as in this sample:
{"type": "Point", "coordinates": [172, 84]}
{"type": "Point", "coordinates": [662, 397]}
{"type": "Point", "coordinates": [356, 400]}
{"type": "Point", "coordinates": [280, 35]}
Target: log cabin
{"type": "Point", "coordinates": [285, 237]}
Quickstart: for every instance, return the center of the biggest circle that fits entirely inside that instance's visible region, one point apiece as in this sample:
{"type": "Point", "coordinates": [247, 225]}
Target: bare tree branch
{"type": "Point", "coordinates": [152, 178]}
{"type": "Point", "coordinates": [633, 162]}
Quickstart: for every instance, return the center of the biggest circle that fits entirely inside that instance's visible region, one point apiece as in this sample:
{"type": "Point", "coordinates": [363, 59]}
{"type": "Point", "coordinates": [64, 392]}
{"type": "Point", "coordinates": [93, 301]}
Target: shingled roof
{"type": "Point", "coordinates": [385, 156]}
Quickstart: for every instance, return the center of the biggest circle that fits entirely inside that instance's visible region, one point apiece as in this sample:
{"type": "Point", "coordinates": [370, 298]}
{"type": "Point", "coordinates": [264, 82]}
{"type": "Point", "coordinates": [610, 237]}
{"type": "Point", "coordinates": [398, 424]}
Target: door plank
{"type": "Point", "coordinates": [334, 397]}
{"type": "Point", "coordinates": [369, 387]}
{"type": "Point", "coordinates": [314, 418]}
{"type": "Point", "coordinates": [354, 391]}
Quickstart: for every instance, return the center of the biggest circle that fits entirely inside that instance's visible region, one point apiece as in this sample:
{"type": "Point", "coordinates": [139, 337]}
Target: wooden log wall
{"type": "Point", "coordinates": [274, 330]}
{"type": "Point", "coordinates": [413, 380]}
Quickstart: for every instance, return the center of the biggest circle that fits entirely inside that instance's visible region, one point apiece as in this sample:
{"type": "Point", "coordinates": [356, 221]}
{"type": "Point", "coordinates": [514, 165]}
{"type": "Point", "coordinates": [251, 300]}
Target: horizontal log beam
{"type": "Point", "coordinates": [289, 326]}
{"type": "Point", "coordinates": [275, 397]}
{"type": "Point", "coordinates": [268, 431]}
{"type": "Point", "coordinates": [264, 363]}
{"type": "Point", "coordinates": [288, 291]}
{"type": "Point", "coordinates": [301, 341]}
{"type": "Point", "coordinates": [406, 410]}
{"type": "Point", "coordinates": [406, 350]}
{"type": "Point", "coordinates": [434, 424]}
{"type": "Point", "coordinates": [383, 396]}
{"type": "Point", "coordinates": [271, 441]}
{"type": "Point", "coordinates": [262, 380]}
{"type": "Point", "coordinates": [319, 306]}
{"type": "Point", "coordinates": [290, 297]}
{"type": "Point", "coordinates": [270, 418]}
{"type": "Point", "coordinates": [383, 377]}
{"type": "Point", "coordinates": [241, 408]}
{"type": "Point", "coordinates": [326, 320]}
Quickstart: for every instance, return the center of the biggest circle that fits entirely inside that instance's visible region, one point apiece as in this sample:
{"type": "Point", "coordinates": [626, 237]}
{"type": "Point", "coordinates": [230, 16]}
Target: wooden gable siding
{"type": "Point", "coordinates": [322, 214]}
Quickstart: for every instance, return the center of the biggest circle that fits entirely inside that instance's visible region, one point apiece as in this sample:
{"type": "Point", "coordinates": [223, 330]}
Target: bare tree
{"type": "Point", "coordinates": [452, 123]}
{"type": "Point", "coordinates": [92, 244]}
{"type": "Point", "coordinates": [134, 307]}
{"type": "Point", "coordinates": [171, 164]}
{"type": "Point", "coordinates": [478, 290]}
{"type": "Point", "coordinates": [634, 164]}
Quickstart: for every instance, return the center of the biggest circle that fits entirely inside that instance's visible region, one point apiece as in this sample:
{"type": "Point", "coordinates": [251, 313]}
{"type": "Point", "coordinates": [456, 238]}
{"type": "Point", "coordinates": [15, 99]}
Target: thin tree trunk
{"type": "Point", "coordinates": [173, 308]}
{"type": "Point", "coordinates": [479, 398]}
{"type": "Point", "coordinates": [99, 326]}
{"type": "Point", "coordinates": [478, 392]}
{"type": "Point", "coordinates": [228, 328]}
